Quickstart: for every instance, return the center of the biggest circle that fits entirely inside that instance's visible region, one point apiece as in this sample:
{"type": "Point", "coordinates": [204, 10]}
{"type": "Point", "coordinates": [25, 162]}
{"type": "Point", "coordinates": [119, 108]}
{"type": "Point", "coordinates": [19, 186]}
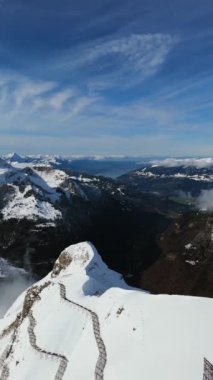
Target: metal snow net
{"type": "Point", "coordinates": [208, 370]}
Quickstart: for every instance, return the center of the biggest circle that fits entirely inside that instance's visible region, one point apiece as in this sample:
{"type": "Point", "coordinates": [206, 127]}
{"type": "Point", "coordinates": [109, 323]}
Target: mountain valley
{"type": "Point", "coordinates": [132, 220]}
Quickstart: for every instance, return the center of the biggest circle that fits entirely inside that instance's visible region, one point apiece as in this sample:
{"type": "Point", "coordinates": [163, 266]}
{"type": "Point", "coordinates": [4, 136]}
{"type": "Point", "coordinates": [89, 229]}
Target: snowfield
{"type": "Point", "coordinates": [33, 192]}
{"type": "Point", "coordinates": [53, 177]}
{"type": "Point", "coordinates": [82, 321]}
{"type": "Point", "coordinates": [28, 207]}
{"type": "Point", "coordinates": [38, 192]}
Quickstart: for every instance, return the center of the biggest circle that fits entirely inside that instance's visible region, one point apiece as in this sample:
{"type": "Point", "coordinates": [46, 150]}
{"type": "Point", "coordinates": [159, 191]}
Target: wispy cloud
{"type": "Point", "coordinates": [75, 112]}
{"type": "Point", "coordinates": [22, 96]}
{"type": "Point", "coordinates": [137, 54]}
{"type": "Point", "coordinates": [44, 108]}
{"type": "Point", "coordinates": [45, 105]}
{"type": "Point", "coordinates": [55, 100]}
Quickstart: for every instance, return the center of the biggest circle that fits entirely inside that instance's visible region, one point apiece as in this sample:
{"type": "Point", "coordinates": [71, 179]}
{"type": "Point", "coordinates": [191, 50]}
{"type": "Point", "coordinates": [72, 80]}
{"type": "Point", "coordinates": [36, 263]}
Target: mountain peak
{"type": "Point", "coordinates": [14, 157]}
{"type": "Point", "coordinates": [4, 164]}
{"type": "Point", "coordinates": [75, 258]}
{"type": "Point", "coordinates": [79, 314]}
{"type": "Point", "coordinates": [83, 260]}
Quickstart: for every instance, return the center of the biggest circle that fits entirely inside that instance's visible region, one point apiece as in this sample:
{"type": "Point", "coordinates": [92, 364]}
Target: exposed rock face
{"type": "Point", "coordinates": [186, 263]}
{"type": "Point", "coordinates": [62, 263]}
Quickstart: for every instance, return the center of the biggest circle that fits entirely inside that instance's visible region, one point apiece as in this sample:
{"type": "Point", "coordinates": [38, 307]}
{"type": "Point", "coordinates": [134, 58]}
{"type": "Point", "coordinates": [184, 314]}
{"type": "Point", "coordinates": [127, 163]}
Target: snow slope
{"type": "Point", "coordinates": [32, 193]}
{"type": "Point", "coordinates": [22, 206]}
{"type": "Point", "coordinates": [83, 322]}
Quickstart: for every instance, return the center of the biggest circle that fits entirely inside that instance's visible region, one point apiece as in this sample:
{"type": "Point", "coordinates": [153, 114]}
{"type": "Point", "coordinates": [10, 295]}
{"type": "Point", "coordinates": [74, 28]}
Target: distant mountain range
{"type": "Point", "coordinates": [173, 180]}
{"type": "Point", "coordinates": [97, 165]}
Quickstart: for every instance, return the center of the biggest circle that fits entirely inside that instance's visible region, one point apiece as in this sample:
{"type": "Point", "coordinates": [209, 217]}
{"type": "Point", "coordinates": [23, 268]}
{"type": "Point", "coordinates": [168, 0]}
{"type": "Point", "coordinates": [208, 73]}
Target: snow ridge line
{"type": "Point", "coordinates": [11, 327]}
{"type": "Point", "coordinates": [208, 370]}
{"type": "Point", "coordinates": [32, 337]}
{"type": "Point", "coordinates": [32, 295]}
{"type": "Point", "coordinates": [5, 373]}
{"type": "Point", "coordinates": [3, 357]}
{"type": "Point", "coordinates": [5, 369]}
{"type": "Point", "coordinates": [102, 358]}
{"type": "Point", "coordinates": [6, 353]}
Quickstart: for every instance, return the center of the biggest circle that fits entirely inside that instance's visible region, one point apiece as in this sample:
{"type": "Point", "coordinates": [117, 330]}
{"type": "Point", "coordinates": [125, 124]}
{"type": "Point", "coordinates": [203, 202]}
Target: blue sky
{"type": "Point", "coordinates": [106, 77]}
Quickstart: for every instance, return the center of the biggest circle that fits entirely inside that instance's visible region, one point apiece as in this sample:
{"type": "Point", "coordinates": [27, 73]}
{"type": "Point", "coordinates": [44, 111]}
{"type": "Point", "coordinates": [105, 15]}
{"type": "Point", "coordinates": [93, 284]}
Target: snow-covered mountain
{"type": "Point", "coordinates": [42, 192]}
{"type": "Point", "coordinates": [25, 194]}
{"type": "Point", "coordinates": [83, 322]}
{"type": "Point", "coordinates": [182, 178]}
{"type": "Point", "coordinates": [204, 174]}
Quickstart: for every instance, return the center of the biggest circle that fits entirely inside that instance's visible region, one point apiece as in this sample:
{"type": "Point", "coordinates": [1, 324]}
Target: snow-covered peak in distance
{"type": "Point", "coordinates": [83, 322]}
{"type": "Point", "coordinates": [14, 157]}
{"type": "Point", "coordinates": [4, 164]}
{"type": "Point", "coordinates": [27, 194]}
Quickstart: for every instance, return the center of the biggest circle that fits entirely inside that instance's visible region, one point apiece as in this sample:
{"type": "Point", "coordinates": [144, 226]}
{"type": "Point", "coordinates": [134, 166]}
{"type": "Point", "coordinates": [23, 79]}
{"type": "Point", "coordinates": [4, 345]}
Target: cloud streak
{"type": "Point", "coordinates": [77, 119]}
{"type": "Point", "coordinates": [23, 98]}
{"type": "Point", "coordinates": [137, 54]}
{"type": "Point", "coordinates": [128, 81]}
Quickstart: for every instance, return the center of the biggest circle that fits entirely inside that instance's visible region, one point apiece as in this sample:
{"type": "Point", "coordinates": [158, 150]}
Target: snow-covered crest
{"type": "Point", "coordinates": [81, 257]}
{"type": "Point", "coordinates": [83, 321]}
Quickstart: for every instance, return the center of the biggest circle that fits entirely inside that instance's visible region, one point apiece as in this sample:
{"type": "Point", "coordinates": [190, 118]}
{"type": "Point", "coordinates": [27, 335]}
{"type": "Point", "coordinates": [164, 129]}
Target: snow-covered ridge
{"type": "Point", "coordinates": [47, 193]}
{"type": "Point", "coordinates": [194, 177]}
{"type": "Point", "coordinates": [31, 193]}
{"type": "Point", "coordinates": [48, 160]}
{"type": "Point", "coordinates": [83, 322]}
{"type": "Point", "coordinates": [36, 192]}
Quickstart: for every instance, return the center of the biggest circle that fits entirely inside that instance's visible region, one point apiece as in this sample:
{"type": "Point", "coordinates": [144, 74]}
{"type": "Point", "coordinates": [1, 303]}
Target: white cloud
{"type": "Point", "coordinates": [205, 200]}
{"type": "Point", "coordinates": [186, 162]}
{"type": "Point", "coordinates": [29, 90]}
{"type": "Point", "coordinates": [140, 53]}
{"type": "Point", "coordinates": [77, 119]}
{"type": "Point", "coordinates": [43, 106]}
{"type": "Point", "coordinates": [56, 101]}
{"type": "Point", "coordinates": [78, 106]}
{"type": "Point", "coordinates": [22, 98]}
{"type": "Point", "coordinates": [15, 91]}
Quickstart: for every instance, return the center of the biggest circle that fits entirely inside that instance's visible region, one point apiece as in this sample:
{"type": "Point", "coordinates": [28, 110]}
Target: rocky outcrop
{"type": "Point", "coordinates": [186, 263]}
